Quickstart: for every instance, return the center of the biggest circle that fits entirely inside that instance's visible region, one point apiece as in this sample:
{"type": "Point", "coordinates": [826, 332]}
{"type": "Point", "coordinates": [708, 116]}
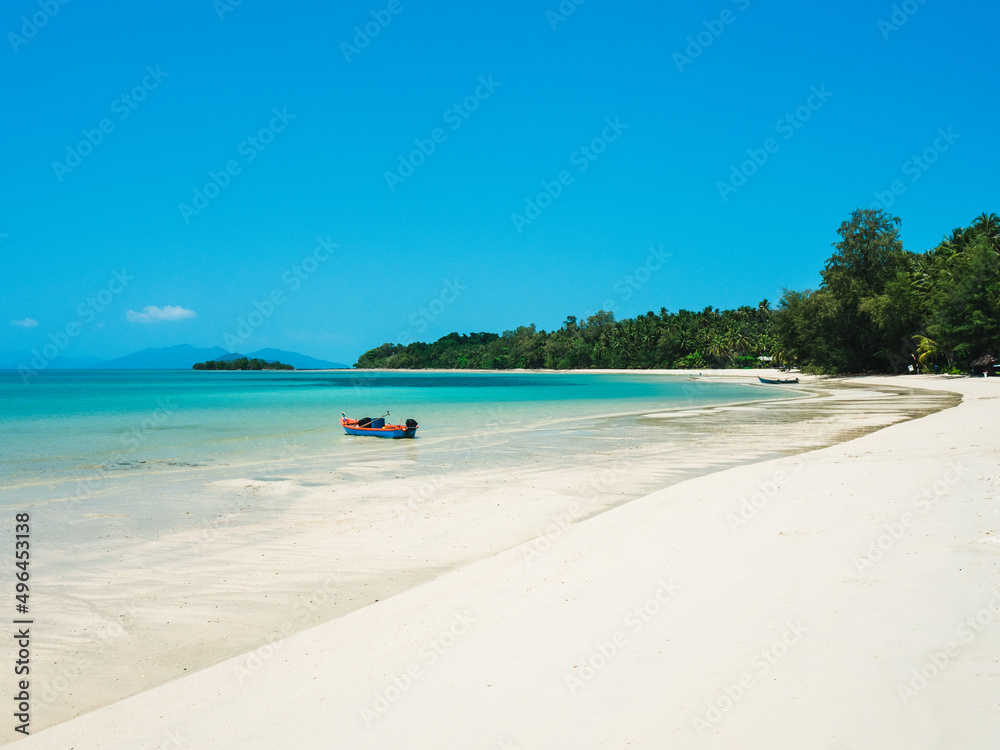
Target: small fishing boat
{"type": "Point", "coordinates": [777, 381]}
{"type": "Point", "coordinates": [377, 427]}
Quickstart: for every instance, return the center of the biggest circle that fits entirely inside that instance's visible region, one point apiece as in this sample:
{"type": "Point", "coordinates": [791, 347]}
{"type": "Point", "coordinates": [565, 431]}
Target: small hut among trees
{"type": "Point", "coordinates": [985, 365]}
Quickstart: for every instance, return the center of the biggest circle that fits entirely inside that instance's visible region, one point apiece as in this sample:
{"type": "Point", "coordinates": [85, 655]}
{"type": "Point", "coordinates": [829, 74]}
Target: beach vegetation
{"type": "Point", "coordinates": [878, 308]}
{"type": "Point", "coordinates": [240, 363]}
{"type": "Point", "coordinates": [686, 339]}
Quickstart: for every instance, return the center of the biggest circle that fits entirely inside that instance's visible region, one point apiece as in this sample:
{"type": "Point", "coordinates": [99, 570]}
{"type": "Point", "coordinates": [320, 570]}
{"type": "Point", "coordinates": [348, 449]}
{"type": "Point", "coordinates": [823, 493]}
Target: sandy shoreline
{"type": "Point", "coordinates": [742, 373]}
{"type": "Point", "coordinates": [524, 621]}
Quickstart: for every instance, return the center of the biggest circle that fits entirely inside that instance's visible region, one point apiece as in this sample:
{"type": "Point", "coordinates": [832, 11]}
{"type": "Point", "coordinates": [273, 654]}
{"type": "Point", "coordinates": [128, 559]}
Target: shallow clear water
{"type": "Point", "coordinates": [73, 425]}
{"type": "Point", "coordinates": [192, 514]}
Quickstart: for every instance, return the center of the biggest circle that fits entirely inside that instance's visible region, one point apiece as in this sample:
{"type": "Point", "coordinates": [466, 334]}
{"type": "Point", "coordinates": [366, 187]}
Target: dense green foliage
{"type": "Point", "coordinates": [879, 308]}
{"type": "Point", "coordinates": [711, 338]}
{"type": "Point", "coordinates": [241, 363]}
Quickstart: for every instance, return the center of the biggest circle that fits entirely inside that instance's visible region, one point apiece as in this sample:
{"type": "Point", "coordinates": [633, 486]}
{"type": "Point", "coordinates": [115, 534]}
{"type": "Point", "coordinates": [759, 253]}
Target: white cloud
{"type": "Point", "coordinates": [153, 314]}
{"type": "Point", "coordinates": [26, 323]}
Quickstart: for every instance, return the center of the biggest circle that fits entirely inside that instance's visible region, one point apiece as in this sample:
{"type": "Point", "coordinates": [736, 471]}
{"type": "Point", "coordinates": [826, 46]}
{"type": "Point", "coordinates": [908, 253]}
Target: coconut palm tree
{"type": "Point", "coordinates": [778, 354]}
{"type": "Point", "coordinates": [928, 350]}
{"type": "Point", "coordinates": [989, 226]}
{"type": "Point", "coordinates": [953, 243]}
{"type": "Point", "coordinates": [717, 348]}
{"type": "Point", "coordinates": [740, 341]}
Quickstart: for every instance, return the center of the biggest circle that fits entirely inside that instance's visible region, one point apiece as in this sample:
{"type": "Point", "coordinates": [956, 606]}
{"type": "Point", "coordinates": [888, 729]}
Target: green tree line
{"type": "Point", "coordinates": [240, 363]}
{"type": "Point", "coordinates": [878, 308]}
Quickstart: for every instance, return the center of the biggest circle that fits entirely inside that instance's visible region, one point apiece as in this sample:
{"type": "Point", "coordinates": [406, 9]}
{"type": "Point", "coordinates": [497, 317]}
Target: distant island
{"type": "Point", "coordinates": [879, 308]}
{"type": "Point", "coordinates": [177, 357]}
{"type": "Point", "coordinates": [242, 363]}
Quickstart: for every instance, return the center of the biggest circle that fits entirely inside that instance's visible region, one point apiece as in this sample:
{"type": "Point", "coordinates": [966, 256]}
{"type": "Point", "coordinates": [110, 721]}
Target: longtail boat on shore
{"type": "Point", "coordinates": [369, 427]}
{"type": "Point", "coordinates": [777, 381]}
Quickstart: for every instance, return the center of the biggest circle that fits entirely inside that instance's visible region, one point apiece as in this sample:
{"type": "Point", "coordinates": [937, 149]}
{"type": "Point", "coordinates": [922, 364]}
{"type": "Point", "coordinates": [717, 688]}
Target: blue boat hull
{"type": "Point", "coordinates": [392, 434]}
{"type": "Point", "coordinates": [378, 428]}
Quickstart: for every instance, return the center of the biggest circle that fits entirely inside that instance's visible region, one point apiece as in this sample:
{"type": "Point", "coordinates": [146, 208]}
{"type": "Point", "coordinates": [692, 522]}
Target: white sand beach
{"type": "Point", "coordinates": [845, 597]}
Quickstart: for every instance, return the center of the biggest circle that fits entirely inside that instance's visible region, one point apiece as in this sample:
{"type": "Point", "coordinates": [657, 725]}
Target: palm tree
{"type": "Point", "coordinates": [685, 340]}
{"type": "Point", "coordinates": [989, 226]}
{"type": "Point", "coordinates": [954, 242]}
{"type": "Point", "coordinates": [778, 354]}
{"type": "Point", "coordinates": [763, 311]}
{"type": "Point", "coordinates": [717, 348]}
{"type": "Point", "coordinates": [928, 350]}
{"type": "Point", "coordinates": [741, 341]}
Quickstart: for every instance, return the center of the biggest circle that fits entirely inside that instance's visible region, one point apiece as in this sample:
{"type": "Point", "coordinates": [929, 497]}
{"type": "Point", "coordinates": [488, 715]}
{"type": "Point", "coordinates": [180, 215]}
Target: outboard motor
{"type": "Point", "coordinates": [411, 423]}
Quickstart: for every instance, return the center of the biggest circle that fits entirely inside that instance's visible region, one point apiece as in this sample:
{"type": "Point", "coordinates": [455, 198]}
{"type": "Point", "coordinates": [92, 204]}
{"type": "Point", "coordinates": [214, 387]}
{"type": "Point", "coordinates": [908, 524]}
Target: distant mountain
{"type": "Point", "coordinates": [184, 356]}
{"type": "Point", "coordinates": [13, 360]}
{"type": "Point", "coordinates": [181, 357]}
{"type": "Point", "coordinates": [298, 361]}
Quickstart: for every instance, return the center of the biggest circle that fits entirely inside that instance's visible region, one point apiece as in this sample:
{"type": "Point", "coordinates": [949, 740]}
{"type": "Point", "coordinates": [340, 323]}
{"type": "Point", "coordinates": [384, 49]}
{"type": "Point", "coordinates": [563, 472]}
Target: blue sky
{"type": "Point", "coordinates": [304, 143]}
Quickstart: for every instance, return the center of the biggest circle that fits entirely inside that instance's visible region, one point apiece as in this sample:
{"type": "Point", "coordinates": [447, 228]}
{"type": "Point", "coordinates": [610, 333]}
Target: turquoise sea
{"type": "Point", "coordinates": [194, 515]}
{"type": "Point", "coordinates": [67, 431]}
